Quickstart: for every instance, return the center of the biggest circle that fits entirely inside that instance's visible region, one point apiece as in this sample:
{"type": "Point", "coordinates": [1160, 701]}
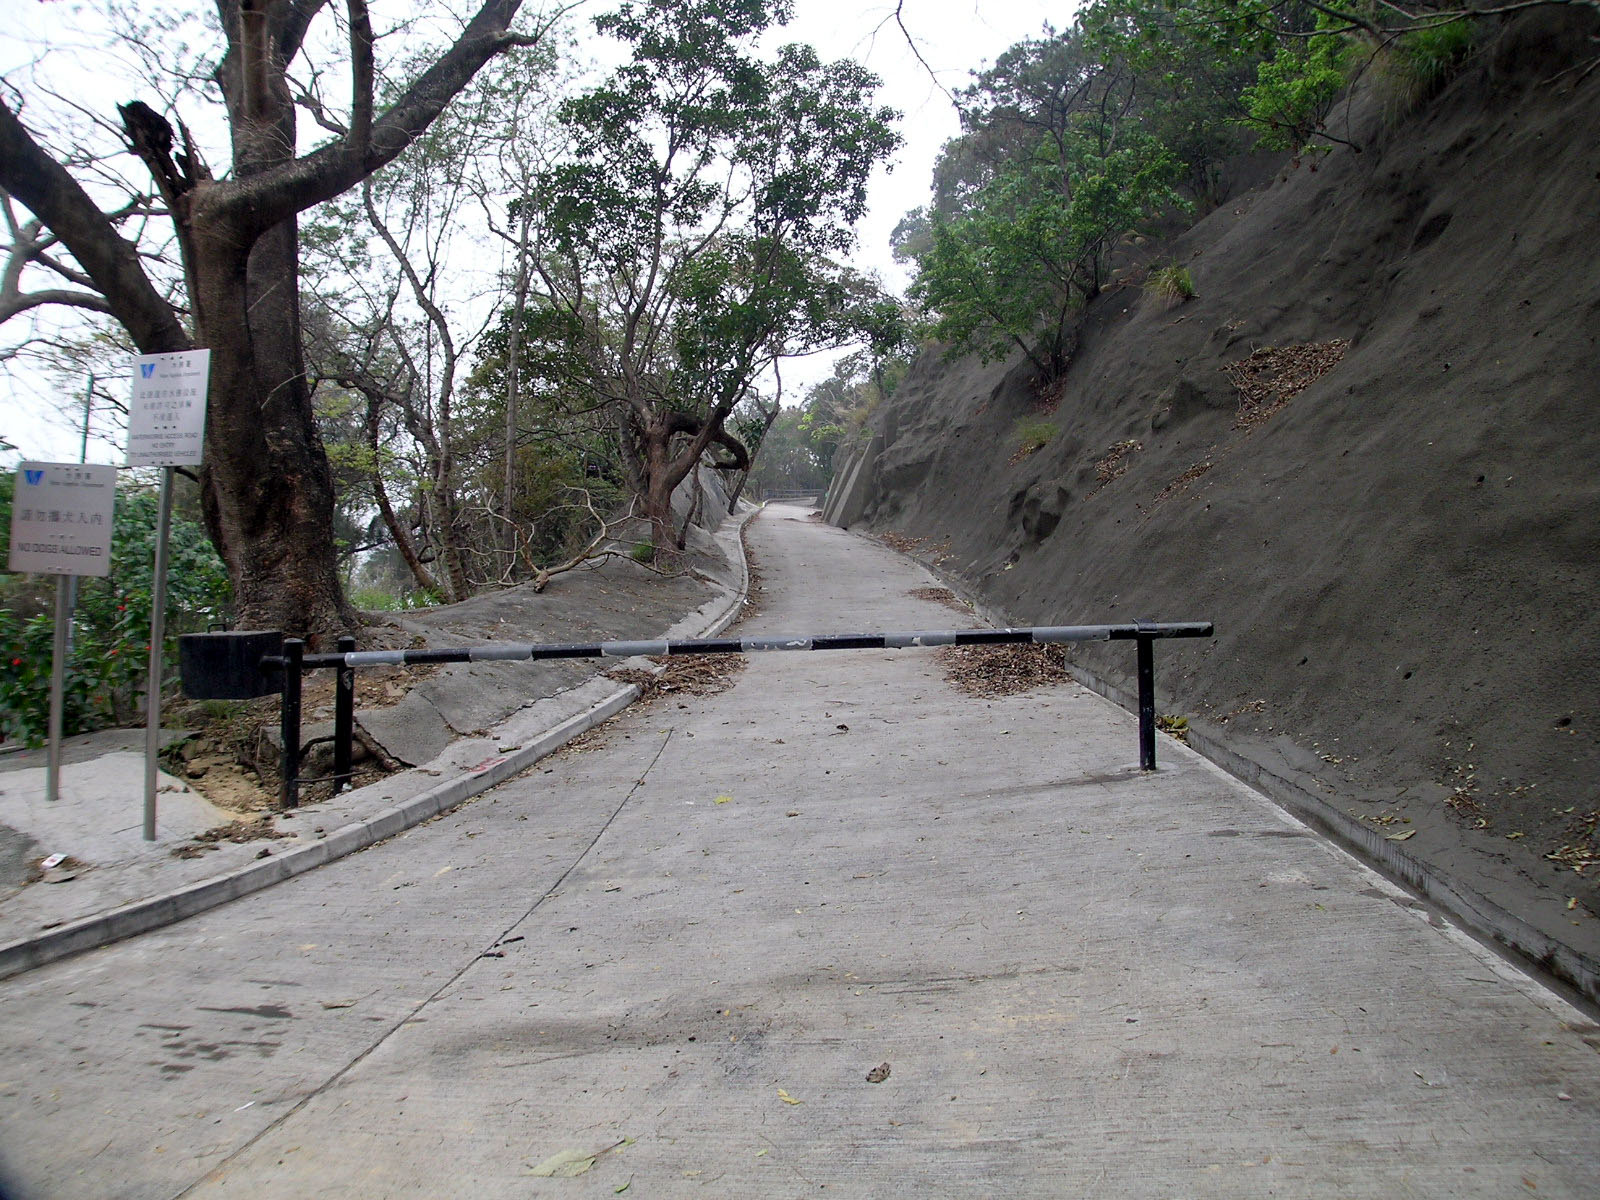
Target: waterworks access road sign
{"type": "Point", "coordinates": [167, 411]}
{"type": "Point", "coordinates": [61, 518]}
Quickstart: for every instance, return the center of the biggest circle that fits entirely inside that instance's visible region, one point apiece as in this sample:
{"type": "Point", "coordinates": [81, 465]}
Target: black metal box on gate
{"type": "Point", "coordinates": [227, 666]}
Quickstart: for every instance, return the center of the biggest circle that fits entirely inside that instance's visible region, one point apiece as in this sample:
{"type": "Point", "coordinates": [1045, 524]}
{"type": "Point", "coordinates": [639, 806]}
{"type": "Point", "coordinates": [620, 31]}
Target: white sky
{"type": "Point", "coordinates": [954, 37]}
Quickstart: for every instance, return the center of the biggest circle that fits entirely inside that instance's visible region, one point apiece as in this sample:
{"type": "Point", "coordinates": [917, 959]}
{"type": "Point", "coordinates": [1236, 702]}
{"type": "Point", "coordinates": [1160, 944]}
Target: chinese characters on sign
{"type": "Point", "coordinates": [61, 519]}
{"type": "Point", "coordinates": [167, 412]}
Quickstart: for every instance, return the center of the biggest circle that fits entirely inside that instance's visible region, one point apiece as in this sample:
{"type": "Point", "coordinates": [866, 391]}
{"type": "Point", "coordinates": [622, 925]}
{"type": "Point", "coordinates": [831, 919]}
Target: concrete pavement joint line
{"type": "Point", "coordinates": [89, 933]}
{"type": "Point", "coordinates": [220, 1168]}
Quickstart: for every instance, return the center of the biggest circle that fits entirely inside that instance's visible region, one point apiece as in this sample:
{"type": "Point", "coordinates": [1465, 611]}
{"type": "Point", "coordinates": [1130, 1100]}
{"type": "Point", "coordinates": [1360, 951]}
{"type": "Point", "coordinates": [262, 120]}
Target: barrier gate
{"type": "Point", "coordinates": [247, 665]}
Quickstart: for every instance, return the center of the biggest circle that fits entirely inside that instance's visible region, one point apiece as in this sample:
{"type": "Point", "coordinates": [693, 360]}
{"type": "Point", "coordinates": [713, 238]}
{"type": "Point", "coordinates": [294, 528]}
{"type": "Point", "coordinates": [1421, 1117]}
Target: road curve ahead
{"type": "Point", "coordinates": [838, 930]}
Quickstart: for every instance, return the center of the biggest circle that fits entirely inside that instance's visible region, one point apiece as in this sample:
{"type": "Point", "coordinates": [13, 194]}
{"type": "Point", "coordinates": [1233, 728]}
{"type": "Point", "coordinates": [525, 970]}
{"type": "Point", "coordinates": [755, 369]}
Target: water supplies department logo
{"type": "Point", "coordinates": [147, 369]}
{"type": "Point", "coordinates": [34, 477]}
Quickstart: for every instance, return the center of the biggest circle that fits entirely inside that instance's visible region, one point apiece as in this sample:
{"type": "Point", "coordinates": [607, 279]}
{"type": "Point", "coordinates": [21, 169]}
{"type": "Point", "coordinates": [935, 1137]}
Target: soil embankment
{"type": "Point", "coordinates": [1367, 450]}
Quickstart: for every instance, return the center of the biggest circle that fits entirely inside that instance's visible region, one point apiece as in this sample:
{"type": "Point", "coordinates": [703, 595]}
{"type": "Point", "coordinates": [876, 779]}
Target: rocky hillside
{"type": "Point", "coordinates": [1368, 448]}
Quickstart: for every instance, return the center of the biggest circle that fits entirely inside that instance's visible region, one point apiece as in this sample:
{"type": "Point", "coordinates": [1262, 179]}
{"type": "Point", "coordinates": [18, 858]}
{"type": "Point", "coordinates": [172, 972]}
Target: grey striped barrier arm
{"type": "Point", "coordinates": [533, 651]}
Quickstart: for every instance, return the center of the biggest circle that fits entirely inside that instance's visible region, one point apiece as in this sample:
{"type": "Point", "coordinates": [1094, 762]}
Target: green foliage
{"type": "Point", "coordinates": [1294, 91]}
{"type": "Point", "coordinates": [1075, 139]}
{"type": "Point", "coordinates": [1034, 242]}
{"type": "Point", "coordinates": [695, 231]}
{"type": "Point", "coordinates": [1418, 64]}
{"type": "Point", "coordinates": [643, 552]}
{"type": "Point", "coordinates": [377, 599]}
{"type": "Point", "coordinates": [111, 623]}
{"type": "Point", "coordinates": [1172, 283]}
{"type": "Point", "coordinates": [1034, 435]}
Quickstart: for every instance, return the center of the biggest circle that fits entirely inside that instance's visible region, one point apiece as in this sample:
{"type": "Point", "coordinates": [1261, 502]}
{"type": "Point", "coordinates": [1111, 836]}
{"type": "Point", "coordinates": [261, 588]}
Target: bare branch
{"type": "Point", "coordinates": [52, 195]}
{"type": "Point", "coordinates": [361, 71]}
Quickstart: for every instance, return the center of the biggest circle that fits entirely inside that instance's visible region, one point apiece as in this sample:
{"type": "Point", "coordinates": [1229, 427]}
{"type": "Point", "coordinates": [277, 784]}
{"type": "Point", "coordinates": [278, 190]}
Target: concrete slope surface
{"type": "Point", "coordinates": [838, 929]}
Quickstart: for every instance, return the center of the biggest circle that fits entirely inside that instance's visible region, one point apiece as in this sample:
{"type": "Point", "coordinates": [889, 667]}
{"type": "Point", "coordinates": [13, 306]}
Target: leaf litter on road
{"type": "Point", "coordinates": [1002, 670]}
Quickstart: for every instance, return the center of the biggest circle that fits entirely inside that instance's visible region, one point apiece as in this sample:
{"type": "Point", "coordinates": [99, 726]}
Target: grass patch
{"type": "Point", "coordinates": [1033, 436]}
{"type": "Point", "coordinates": [372, 599]}
{"type": "Point", "coordinates": [1419, 64]}
{"type": "Point", "coordinates": [1171, 284]}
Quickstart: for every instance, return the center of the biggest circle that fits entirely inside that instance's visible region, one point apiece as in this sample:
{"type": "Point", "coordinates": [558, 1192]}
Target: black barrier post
{"type": "Point", "coordinates": [289, 788]}
{"type": "Point", "coordinates": [344, 719]}
{"type": "Point", "coordinates": [1147, 698]}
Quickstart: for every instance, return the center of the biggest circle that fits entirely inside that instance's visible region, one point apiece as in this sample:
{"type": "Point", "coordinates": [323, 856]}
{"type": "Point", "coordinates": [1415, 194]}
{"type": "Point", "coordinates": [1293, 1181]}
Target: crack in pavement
{"type": "Point", "coordinates": [550, 892]}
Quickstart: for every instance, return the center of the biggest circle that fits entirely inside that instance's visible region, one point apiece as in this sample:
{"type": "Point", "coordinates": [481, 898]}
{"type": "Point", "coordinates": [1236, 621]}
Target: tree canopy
{"type": "Point", "coordinates": [693, 235]}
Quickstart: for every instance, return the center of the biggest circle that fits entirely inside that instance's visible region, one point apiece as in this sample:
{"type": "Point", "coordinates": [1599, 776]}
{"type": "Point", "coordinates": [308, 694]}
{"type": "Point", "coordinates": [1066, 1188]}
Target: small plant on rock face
{"type": "Point", "coordinates": [1172, 284]}
{"type": "Point", "coordinates": [1421, 62]}
{"type": "Point", "coordinates": [1033, 435]}
{"type": "Point", "coordinates": [644, 552]}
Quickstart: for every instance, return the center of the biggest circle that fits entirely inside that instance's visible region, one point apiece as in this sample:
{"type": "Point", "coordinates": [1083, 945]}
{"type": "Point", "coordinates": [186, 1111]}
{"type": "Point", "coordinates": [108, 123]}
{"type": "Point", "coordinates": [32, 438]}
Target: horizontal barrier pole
{"type": "Point", "coordinates": [522, 651]}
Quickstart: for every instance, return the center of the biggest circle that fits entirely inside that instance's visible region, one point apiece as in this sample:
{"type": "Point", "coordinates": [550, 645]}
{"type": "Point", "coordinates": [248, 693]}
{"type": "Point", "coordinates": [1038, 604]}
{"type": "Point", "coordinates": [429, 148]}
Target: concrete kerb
{"type": "Point", "coordinates": [1485, 920]}
{"type": "Point", "coordinates": [101, 929]}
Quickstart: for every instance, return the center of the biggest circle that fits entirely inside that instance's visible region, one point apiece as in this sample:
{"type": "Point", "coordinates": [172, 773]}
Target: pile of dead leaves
{"type": "Point", "coordinates": [1003, 670]}
{"type": "Point", "coordinates": [1583, 851]}
{"type": "Point", "coordinates": [684, 675]}
{"type": "Point", "coordinates": [1182, 482]}
{"type": "Point", "coordinates": [900, 542]}
{"type": "Point", "coordinates": [1114, 462]}
{"type": "Point", "coordinates": [940, 595]}
{"type": "Point", "coordinates": [1273, 376]}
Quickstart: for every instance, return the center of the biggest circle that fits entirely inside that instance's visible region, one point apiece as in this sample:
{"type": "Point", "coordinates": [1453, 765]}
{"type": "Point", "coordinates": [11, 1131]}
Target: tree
{"type": "Point", "coordinates": [692, 235]}
{"type": "Point", "coordinates": [267, 487]}
{"type": "Point", "coordinates": [1055, 169]}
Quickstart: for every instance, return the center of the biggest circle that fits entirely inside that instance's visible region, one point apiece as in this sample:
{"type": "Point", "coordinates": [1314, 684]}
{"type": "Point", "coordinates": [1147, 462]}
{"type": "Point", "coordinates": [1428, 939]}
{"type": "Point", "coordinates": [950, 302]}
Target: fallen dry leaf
{"type": "Point", "coordinates": [566, 1164]}
{"type": "Point", "coordinates": [878, 1073]}
{"type": "Point", "coordinates": [569, 1164]}
{"type": "Point", "coordinates": [788, 1099]}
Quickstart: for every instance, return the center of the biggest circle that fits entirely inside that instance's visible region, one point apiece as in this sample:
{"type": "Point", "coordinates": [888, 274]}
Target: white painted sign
{"type": "Point", "coordinates": [61, 518]}
{"type": "Point", "coordinates": [167, 412]}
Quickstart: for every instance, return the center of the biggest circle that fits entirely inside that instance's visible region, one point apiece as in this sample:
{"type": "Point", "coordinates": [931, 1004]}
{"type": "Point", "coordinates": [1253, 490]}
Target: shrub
{"type": "Point", "coordinates": [1420, 63]}
{"type": "Point", "coordinates": [644, 552]}
{"type": "Point", "coordinates": [1294, 92]}
{"type": "Point", "coordinates": [1172, 284]}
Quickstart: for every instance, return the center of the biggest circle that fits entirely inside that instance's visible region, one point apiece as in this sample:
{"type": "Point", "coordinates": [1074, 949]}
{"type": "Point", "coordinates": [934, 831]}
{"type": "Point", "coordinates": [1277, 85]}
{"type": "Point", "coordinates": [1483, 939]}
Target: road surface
{"type": "Point", "coordinates": [837, 930]}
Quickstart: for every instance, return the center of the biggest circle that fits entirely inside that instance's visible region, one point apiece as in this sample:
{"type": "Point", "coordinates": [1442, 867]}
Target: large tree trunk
{"type": "Point", "coordinates": [267, 488]}
{"type": "Point", "coordinates": [658, 485]}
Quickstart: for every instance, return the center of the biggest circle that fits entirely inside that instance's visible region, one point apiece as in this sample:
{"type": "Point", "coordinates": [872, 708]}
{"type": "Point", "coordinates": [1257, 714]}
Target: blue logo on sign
{"type": "Point", "coordinates": [34, 477]}
{"type": "Point", "coordinates": [147, 369]}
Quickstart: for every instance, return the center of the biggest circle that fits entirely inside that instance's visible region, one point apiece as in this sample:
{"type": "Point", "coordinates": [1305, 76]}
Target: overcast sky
{"type": "Point", "coordinates": [953, 37]}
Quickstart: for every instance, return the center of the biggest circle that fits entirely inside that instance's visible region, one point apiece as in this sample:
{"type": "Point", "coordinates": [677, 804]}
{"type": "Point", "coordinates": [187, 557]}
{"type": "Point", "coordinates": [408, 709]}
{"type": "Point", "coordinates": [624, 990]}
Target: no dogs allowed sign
{"type": "Point", "coordinates": [61, 519]}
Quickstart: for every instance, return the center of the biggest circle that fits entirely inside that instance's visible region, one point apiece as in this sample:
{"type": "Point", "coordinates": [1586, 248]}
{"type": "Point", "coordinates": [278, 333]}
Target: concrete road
{"type": "Point", "coordinates": [837, 930]}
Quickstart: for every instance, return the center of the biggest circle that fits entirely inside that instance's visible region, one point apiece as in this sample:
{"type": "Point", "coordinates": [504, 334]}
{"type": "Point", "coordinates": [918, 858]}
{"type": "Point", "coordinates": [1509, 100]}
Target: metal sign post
{"type": "Point", "coordinates": [59, 652]}
{"type": "Point", "coordinates": [158, 632]}
{"type": "Point", "coordinates": [61, 517]}
{"type": "Point", "coordinates": [166, 428]}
